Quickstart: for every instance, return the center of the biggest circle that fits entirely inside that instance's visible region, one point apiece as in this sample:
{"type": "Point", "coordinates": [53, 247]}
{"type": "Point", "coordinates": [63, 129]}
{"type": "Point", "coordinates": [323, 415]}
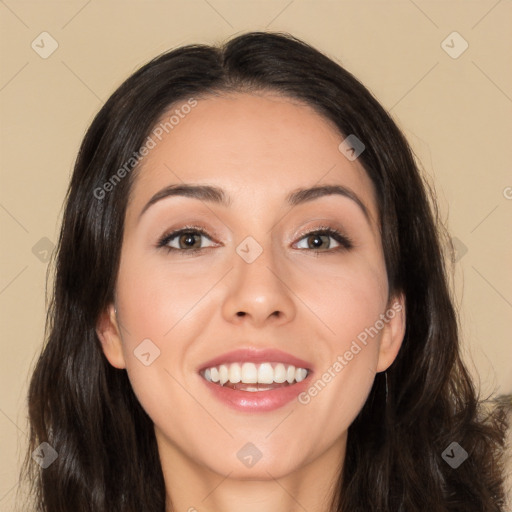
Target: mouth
{"type": "Point", "coordinates": [251, 377]}
{"type": "Point", "coordinates": [256, 380]}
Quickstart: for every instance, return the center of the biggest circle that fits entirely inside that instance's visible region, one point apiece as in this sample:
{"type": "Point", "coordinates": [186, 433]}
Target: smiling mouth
{"type": "Point", "coordinates": [251, 377]}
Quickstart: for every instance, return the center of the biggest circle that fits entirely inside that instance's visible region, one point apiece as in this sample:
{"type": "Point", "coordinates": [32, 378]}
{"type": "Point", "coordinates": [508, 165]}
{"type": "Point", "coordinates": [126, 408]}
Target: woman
{"type": "Point", "coordinates": [251, 307]}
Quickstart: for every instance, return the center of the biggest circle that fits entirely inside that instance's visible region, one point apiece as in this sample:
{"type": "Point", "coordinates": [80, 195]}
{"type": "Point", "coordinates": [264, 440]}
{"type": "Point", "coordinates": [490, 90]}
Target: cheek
{"type": "Point", "coordinates": [346, 297]}
{"type": "Point", "coordinates": [162, 312]}
{"type": "Point", "coordinates": [348, 303]}
{"type": "Point", "coordinates": [156, 297]}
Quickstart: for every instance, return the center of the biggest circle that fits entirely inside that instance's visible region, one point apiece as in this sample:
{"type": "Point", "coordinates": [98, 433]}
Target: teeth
{"type": "Point", "coordinates": [235, 373]}
{"type": "Point", "coordinates": [223, 374]}
{"type": "Point", "coordinates": [280, 373]}
{"type": "Point", "coordinates": [250, 373]}
{"type": "Point", "coordinates": [300, 374]}
{"type": "Point", "coordinates": [265, 373]}
{"type": "Point", "coordinates": [214, 372]}
{"type": "Point", "coordinates": [290, 374]}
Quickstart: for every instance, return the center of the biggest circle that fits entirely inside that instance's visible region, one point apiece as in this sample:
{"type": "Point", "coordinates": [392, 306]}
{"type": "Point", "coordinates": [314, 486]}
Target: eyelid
{"type": "Point", "coordinates": [344, 241]}
{"type": "Point", "coordinates": [173, 233]}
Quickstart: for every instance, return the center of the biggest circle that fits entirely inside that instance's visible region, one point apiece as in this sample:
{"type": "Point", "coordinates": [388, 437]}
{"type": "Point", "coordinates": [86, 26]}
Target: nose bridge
{"type": "Point", "coordinates": [258, 288]}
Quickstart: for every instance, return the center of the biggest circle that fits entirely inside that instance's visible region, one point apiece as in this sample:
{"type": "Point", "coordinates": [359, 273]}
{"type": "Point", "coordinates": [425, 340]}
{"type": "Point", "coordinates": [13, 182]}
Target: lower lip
{"type": "Point", "coordinates": [257, 401]}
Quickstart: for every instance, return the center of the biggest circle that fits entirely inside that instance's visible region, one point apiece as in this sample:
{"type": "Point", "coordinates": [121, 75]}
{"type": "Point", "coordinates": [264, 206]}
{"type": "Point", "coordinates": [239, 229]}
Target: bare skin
{"type": "Point", "coordinates": [309, 300]}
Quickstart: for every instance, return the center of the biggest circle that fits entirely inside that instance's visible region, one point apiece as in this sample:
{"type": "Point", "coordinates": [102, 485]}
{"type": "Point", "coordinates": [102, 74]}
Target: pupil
{"type": "Point", "coordinates": [188, 238]}
{"type": "Point", "coordinates": [317, 241]}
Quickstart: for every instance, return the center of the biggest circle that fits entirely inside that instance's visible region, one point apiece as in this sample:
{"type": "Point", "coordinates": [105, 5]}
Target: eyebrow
{"type": "Point", "coordinates": [217, 195]}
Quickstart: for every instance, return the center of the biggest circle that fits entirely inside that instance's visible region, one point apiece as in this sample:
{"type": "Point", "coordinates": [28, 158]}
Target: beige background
{"type": "Point", "coordinates": [456, 112]}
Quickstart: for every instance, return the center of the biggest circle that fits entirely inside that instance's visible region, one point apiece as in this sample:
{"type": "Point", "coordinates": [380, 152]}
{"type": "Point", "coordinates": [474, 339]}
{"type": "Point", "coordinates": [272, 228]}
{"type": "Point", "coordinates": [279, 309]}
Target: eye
{"type": "Point", "coordinates": [187, 239]}
{"type": "Point", "coordinates": [315, 239]}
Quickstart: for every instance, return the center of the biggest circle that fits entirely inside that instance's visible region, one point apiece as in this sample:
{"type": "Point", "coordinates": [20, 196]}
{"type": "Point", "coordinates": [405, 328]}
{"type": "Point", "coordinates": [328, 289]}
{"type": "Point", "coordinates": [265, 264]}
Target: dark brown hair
{"type": "Point", "coordinates": [86, 409]}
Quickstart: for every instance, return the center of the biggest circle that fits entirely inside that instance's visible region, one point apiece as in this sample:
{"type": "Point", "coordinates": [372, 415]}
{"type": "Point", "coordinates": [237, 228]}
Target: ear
{"type": "Point", "coordinates": [108, 332]}
{"type": "Point", "coordinates": [393, 332]}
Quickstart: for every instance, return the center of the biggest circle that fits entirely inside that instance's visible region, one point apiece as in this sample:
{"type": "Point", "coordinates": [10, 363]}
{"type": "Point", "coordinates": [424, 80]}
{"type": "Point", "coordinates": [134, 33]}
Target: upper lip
{"type": "Point", "coordinates": [254, 355]}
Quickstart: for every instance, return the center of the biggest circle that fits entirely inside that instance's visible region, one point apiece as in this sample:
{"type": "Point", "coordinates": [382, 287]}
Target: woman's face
{"type": "Point", "coordinates": [262, 279]}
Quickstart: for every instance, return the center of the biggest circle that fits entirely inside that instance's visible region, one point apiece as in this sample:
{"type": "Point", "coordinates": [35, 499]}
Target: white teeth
{"type": "Point", "coordinates": [223, 374]}
{"type": "Point", "coordinates": [265, 374]}
{"type": "Point", "coordinates": [235, 373]}
{"type": "Point", "coordinates": [279, 373]}
{"type": "Point", "coordinates": [300, 374]}
{"type": "Point", "coordinates": [290, 374]}
{"type": "Point", "coordinates": [214, 373]}
{"type": "Point", "coordinates": [250, 373]}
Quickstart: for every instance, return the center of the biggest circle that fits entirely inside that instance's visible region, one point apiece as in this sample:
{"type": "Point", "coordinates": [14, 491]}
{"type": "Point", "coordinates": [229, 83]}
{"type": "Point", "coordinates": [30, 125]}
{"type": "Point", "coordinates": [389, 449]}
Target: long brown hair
{"type": "Point", "coordinates": [85, 409]}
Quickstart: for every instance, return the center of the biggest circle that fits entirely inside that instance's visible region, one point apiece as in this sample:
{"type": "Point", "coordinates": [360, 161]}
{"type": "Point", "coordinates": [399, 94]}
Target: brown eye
{"type": "Point", "coordinates": [189, 240]}
{"type": "Point", "coordinates": [320, 240]}
{"type": "Point", "coordinates": [316, 241]}
{"type": "Point", "coordinates": [185, 240]}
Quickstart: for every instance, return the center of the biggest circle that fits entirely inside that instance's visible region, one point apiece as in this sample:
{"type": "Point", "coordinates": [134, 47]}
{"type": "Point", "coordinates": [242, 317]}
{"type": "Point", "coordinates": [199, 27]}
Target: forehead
{"type": "Point", "coordinates": [257, 147]}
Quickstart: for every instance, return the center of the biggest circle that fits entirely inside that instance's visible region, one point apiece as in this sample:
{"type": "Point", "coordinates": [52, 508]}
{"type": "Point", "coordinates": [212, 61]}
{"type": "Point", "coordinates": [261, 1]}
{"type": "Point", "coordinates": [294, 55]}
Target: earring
{"type": "Point", "coordinates": [386, 378]}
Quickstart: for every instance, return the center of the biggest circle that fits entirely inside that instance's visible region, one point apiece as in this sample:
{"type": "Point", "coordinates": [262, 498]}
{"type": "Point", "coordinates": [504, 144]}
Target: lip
{"type": "Point", "coordinates": [258, 401]}
{"type": "Point", "coordinates": [253, 355]}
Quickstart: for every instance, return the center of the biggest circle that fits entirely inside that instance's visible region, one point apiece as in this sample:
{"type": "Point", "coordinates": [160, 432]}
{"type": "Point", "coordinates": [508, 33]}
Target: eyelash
{"type": "Point", "coordinates": [345, 242]}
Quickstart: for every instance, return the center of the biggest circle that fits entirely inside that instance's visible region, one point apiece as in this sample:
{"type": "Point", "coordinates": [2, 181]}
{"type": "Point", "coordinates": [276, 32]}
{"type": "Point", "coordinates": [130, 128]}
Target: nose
{"type": "Point", "coordinates": [258, 292]}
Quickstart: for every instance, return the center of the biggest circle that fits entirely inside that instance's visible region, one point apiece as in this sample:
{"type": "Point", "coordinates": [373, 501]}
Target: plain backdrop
{"type": "Point", "coordinates": [441, 68]}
